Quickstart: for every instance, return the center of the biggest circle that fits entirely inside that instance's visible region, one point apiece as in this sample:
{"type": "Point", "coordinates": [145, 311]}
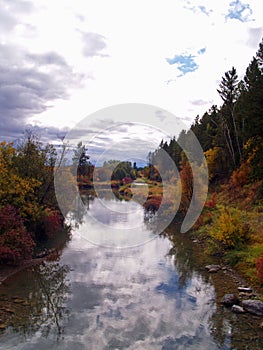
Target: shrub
{"type": "Point", "coordinates": [50, 223]}
{"type": "Point", "coordinates": [240, 176]}
{"type": "Point", "coordinates": [16, 244]}
{"type": "Point", "coordinates": [206, 215]}
{"type": "Point", "coordinates": [259, 268]}
{"type": "Point", "coordinates": [211, 203]}
{"type": "Point", "coordinates": [230, 228]}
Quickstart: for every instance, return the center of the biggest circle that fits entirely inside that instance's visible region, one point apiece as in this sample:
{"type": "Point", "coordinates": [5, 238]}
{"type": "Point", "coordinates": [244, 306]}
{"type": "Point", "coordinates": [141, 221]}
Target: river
{"type": "Point", "coordinates": [99, 293]}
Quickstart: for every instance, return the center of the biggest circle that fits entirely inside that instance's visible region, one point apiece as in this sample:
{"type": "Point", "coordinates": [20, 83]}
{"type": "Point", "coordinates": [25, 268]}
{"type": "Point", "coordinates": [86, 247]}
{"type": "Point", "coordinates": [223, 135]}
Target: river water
{"type": "Point", "coordinates": [154, 294]}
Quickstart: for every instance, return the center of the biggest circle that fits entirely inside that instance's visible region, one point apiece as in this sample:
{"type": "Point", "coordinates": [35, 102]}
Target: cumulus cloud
{"type": "Point", "coordinates": [115, 307]}
{"type": "Point", "coordinates": [7, 21]}
{"type": "Point", "coordinates": [93, 44]}
{"type": "Point", "coordinates": [10, 10]}
{"type": "Point", "coordinates": [47, 58]}
{"type": "Point", "coordinates": [254, 36]}
{"type": "Point", "coordinates": [114, 140]}
{"type": "Point", "coordinates": [28, 84]}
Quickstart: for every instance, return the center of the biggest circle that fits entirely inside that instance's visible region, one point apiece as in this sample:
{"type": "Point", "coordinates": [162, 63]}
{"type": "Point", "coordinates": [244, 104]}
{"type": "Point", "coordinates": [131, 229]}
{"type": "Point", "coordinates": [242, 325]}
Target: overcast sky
{"type": "Point", "coordinates": [61, 61]}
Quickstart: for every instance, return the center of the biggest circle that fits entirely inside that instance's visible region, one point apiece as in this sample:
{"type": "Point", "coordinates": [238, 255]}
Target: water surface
{"type": "Point", "coordinates": [96, 297]}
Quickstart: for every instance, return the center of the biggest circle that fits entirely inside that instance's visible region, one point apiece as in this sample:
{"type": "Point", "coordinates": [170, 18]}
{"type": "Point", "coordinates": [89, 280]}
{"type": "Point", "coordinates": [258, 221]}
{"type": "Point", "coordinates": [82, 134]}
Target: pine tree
{"type": "Point", "coordinates": [229, 92]}
{"type": "Point", "coordinates": [251, 102]}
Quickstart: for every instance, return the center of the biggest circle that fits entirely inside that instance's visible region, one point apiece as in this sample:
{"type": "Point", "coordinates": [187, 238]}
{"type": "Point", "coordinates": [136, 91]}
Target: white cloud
{"type": "Point", "coordinates": [125, 47]}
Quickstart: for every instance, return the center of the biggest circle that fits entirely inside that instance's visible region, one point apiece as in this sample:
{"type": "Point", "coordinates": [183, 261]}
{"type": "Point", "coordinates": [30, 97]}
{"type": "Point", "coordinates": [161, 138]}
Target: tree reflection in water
{"type": "Point", "coordinates": [53, 288]}
{"type": "Point", "coordinates": [82, 203]}
{"type": "Point", "coordinates": [40, 304]}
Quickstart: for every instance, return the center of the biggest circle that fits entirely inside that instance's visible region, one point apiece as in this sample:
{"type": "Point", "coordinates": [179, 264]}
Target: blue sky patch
{"type": "Point", "coordinates": [202, 51]}
{"type": "Point", "coordinates": [203, 9]}
{"type": "Point", "coordinates": [239, 11]}
{"type": "Point", "coordinates": [185, 63]}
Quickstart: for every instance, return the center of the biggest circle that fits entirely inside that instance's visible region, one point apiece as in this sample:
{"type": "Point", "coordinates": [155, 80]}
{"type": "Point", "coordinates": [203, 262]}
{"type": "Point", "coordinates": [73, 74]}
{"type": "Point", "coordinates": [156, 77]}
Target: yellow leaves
{"type": "Point", "coordinates": [230, 228]}
{"type": "Point", "coordinates": [7, 152]}
{"type": "Point", "coordinates": [252, 147]}
{"type": "Point", "coordinates": [214, 160]}
{"type": "Point", "coordinates": [15, 190]}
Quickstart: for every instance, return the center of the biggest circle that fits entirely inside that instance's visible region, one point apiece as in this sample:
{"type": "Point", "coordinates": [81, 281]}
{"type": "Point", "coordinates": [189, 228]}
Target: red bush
{"type": "Point", "coordinates": [206, 215]}
{"type": "Point", "coordinates": [51, 223]}
{"type": "Point", "coordinates": [16, 243]}
{"type": "Point", "coordinates": [153, 203]}
{"type": "Point", "coordinates": [212, 202]}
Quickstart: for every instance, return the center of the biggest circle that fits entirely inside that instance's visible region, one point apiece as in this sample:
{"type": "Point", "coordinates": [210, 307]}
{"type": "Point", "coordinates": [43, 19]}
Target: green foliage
{"type": "Point", "coordinates": [120, 170]}
{"type": "Point", "coordinates": [245, 261]}
{"type": "Point", "coordinates": [81, 163]}
{"type": "Point", "coordinates": [35, 161]}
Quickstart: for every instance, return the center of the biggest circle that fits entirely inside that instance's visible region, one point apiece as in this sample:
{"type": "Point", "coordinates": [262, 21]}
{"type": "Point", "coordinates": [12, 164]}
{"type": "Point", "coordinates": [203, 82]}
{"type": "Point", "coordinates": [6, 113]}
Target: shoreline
{"type": "Point", "coordinates": [7, 271]}
{"type": "Point", "coordinates": [235, 274]}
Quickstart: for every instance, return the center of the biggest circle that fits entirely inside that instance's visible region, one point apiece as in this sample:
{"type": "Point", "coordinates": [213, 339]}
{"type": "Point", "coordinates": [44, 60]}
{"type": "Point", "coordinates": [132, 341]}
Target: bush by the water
{"type": "Point", "coordinates": [230, 228]}
{"type": "Point", "coordinates": [16, 243]}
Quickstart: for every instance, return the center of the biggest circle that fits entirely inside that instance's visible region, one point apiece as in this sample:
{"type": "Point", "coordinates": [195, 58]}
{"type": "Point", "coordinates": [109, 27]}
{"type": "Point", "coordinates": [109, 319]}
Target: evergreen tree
{"type": "Point", "coordinates": [81, 160]}
{"type": "Point", "coordinates": [229, 92]}
{"type": "Point", "coordinates": [252, 101]}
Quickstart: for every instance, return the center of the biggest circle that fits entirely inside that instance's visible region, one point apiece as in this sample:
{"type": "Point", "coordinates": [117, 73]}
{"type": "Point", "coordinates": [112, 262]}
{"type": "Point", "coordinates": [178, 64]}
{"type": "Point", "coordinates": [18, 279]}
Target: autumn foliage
{"type": "Point", "coordinates": [28, 209]}
{"type": "Point", "coordinates": [16, 243]}
{"type": "Point", "coordinates": [49, 224]}
{"type": "Point", "coordinates": [259, 268]}
{"type": "Point", "coordinates": [186, 176]}
{"type": "Point", "coordinates": [230, 228]}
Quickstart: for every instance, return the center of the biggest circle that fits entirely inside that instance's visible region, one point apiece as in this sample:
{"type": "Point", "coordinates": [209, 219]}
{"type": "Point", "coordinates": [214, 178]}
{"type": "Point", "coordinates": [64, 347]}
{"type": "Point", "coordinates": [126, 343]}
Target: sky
{"type": "Point", "coordinates": [63, 61]}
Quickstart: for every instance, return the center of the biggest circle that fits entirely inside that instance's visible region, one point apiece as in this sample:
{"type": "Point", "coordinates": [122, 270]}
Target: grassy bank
{"type": "Point", "coordinates": [231, 225]}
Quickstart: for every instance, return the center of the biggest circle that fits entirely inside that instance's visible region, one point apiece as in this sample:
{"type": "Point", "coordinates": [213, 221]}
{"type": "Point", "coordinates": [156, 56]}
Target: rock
{"type": "Point", "coordinates": [3, 326]}
{"type": "Point", "coordinates": [245, 289]}
{"type": "Point", "coordinates": [237, 309]}
{"type": "Point", "coordinates": [229, 300]}
{"type": "Point", "coordinates": [246, 295]}
{"type": "Point", "coordinates": [18, 301]}
{"type": "Point", "coordinates": [212, 268]}
{"type": "Point", "coordinates": [253, 306]}
{"type": "Point", "coordinates": [261, 325]}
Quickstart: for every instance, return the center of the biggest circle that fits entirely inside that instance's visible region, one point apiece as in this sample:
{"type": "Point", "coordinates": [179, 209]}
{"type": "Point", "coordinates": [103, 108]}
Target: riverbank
{"type": "Point", "coordinates": [230, 227]}
{"type": "Point", "coordinates": [6, 271]}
